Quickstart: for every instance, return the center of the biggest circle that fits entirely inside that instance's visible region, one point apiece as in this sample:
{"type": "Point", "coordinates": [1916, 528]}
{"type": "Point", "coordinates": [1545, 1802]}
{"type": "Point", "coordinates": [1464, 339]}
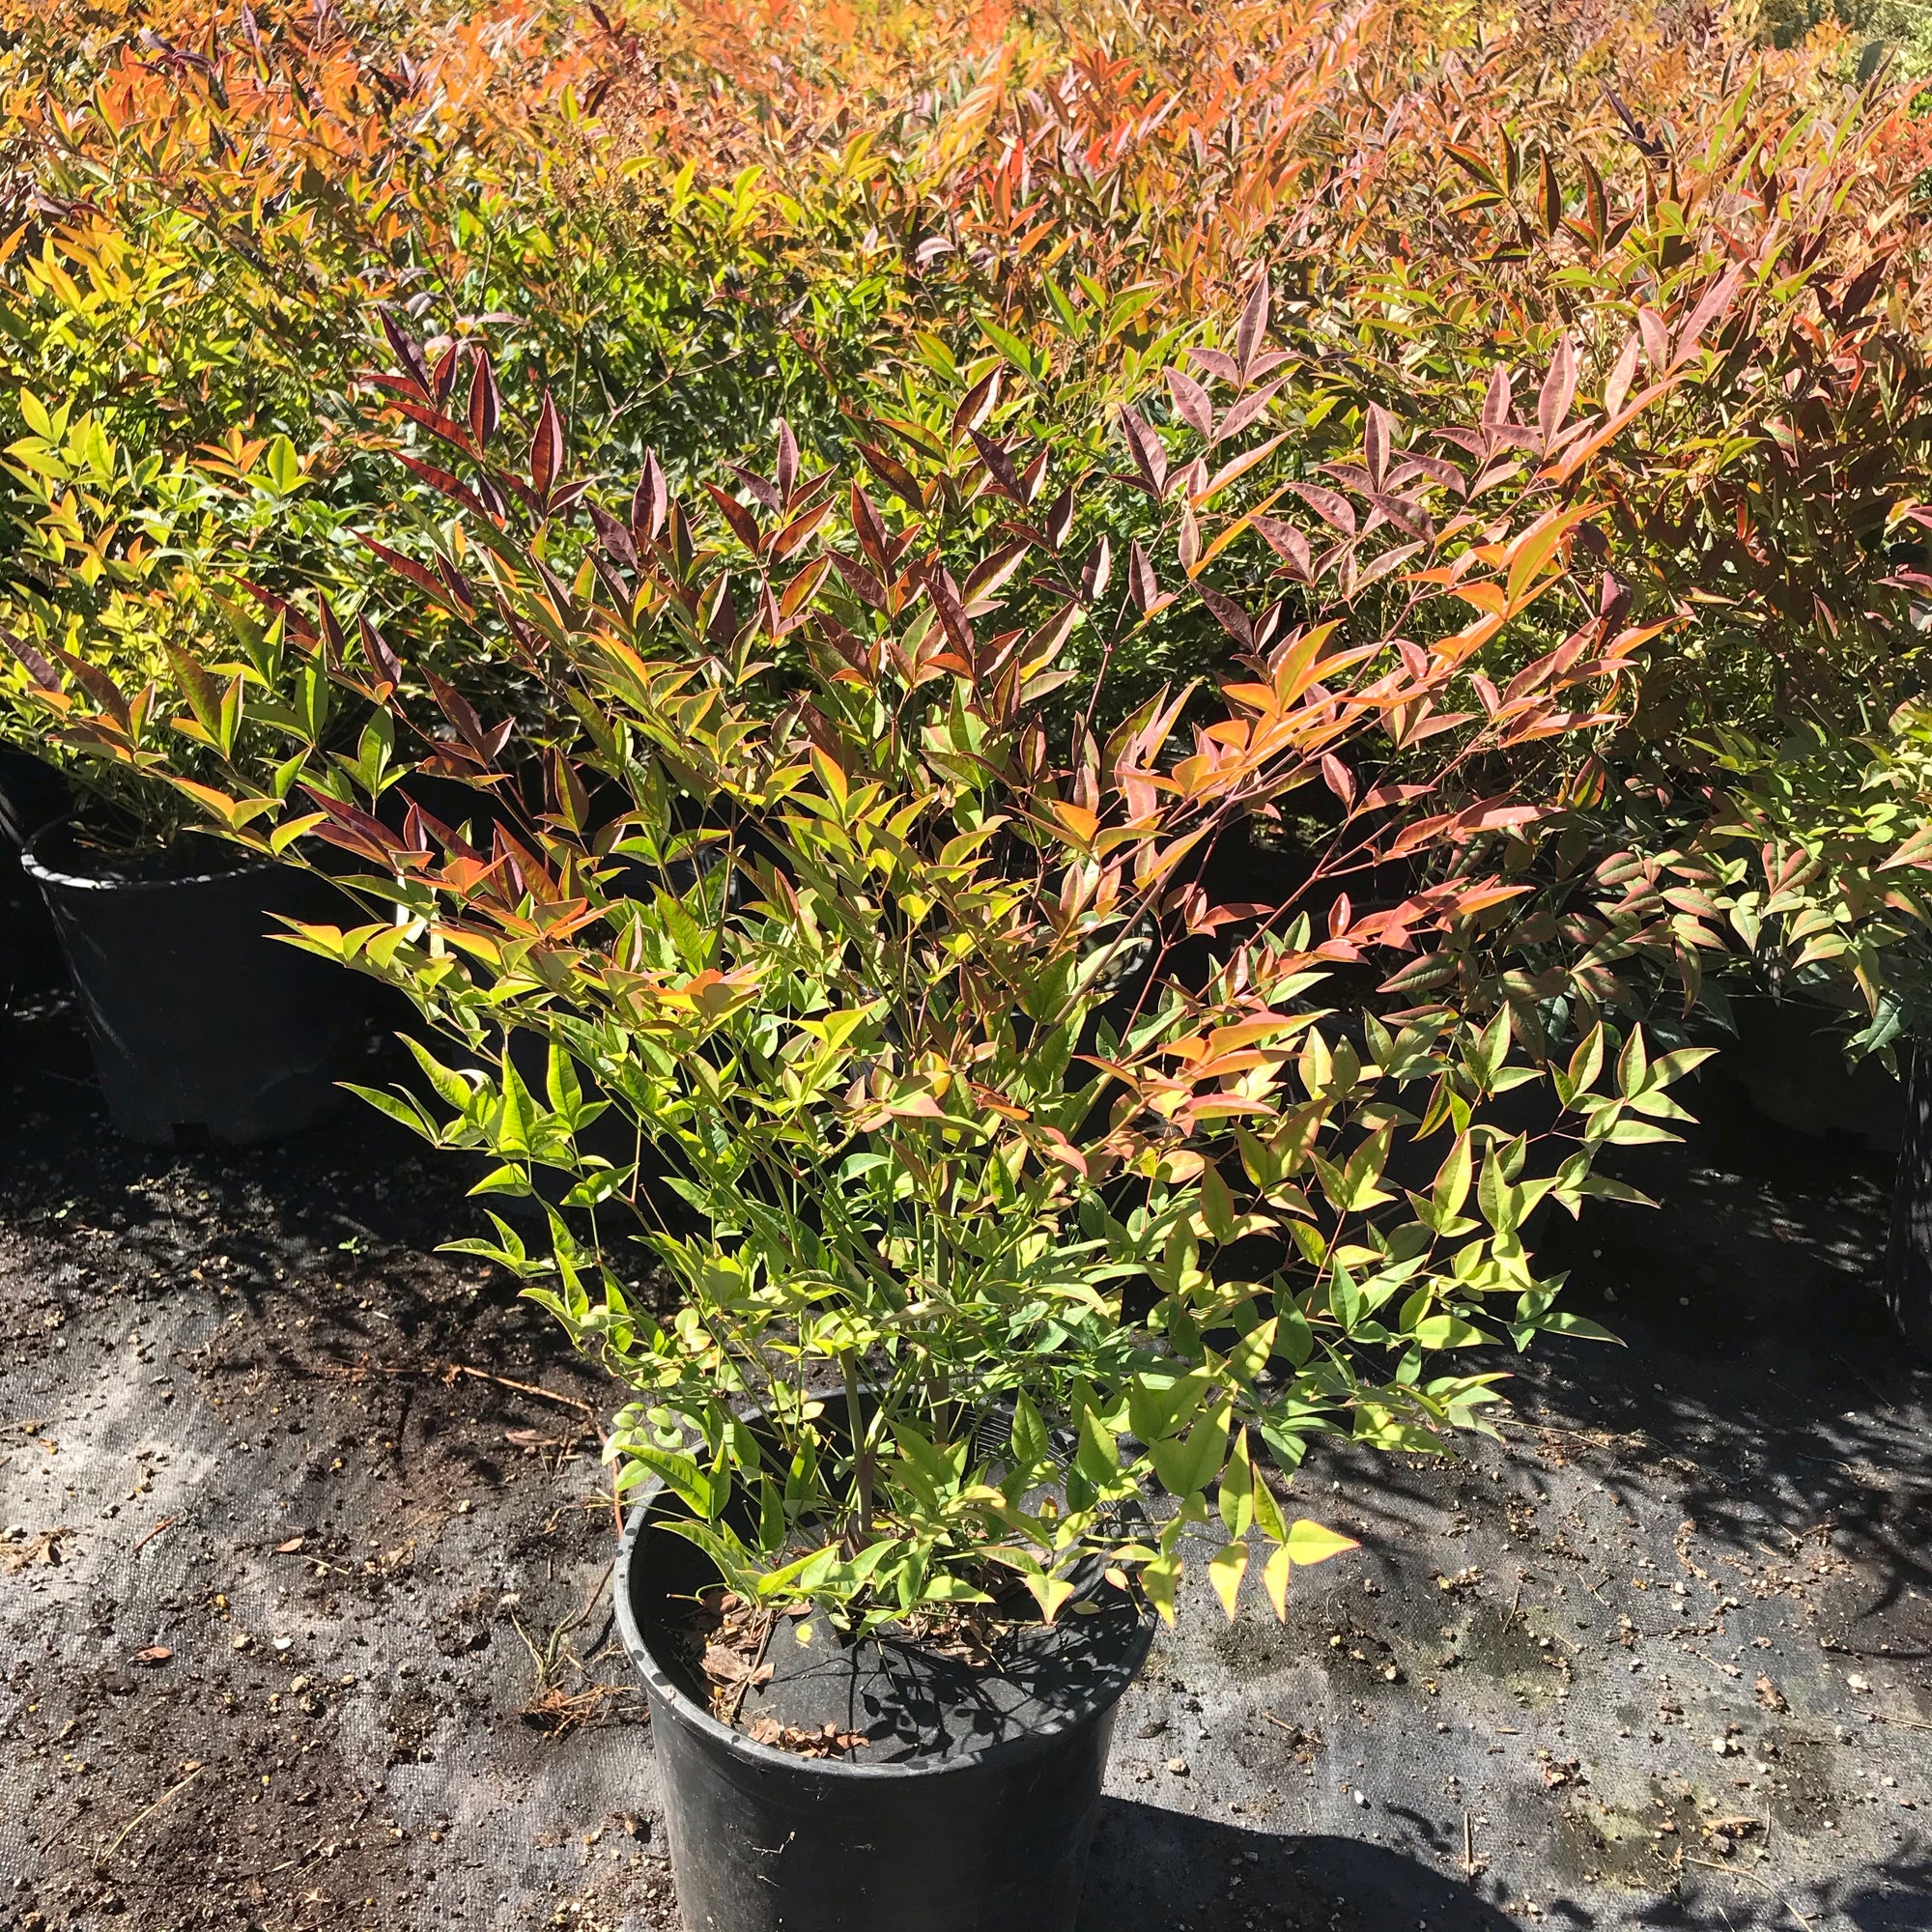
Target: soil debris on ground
{"type": "Point", "coordinates": [307, 1547]}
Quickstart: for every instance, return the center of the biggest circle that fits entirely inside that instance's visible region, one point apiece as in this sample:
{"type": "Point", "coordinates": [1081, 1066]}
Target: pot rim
{"type": "Point", "coordinates": [768, 1757]}
{"type": "Point", "coordinates": [37, 868]}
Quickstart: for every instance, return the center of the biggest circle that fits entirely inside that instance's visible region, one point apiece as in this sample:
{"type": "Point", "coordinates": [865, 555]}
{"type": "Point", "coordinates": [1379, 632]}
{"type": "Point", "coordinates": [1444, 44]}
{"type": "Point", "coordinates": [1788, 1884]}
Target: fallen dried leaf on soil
{"type": "Point", "coordinates": [830, 1742]}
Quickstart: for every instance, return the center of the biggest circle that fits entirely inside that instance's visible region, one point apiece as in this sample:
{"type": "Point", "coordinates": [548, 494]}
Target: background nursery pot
{"type": "Point", "coordinates": [972, 1807]}
{"type": "Point", "coordinates": [33, 795]}
{"type": "Point", "coordinates": [1791, 1062]}
{"type": "Point", "coordinates": [201, 1023]}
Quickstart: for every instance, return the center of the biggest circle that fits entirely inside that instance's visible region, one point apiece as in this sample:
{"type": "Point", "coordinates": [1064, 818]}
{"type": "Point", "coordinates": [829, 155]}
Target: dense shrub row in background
{"type": "Point", "coordinates": [1661, 265]}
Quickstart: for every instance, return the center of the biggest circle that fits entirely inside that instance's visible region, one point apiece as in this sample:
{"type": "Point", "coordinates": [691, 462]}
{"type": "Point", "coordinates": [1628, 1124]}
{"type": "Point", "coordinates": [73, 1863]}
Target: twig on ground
{"type": "Point", "coordinates": [179, 1785]}
{"type": "Point", "coordinates": [166, 1523]}
{"type": "Point", "coordinates": [1899, 1717]}
{"type": "Point", "coordinates": [456, 1369]}
{"type": "Point", "coordinates": [449, 1372]}
{"type": "Point", "coordinates": [1751, 1878]}
{"type": "Point", "coordinates": [1516, 1602]}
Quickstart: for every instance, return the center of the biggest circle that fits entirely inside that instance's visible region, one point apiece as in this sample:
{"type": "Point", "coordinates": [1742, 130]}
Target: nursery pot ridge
{"type": "Point", "coordinates": [200, 1023]}
{"type": "Point", "coordinates": [971, 1809]}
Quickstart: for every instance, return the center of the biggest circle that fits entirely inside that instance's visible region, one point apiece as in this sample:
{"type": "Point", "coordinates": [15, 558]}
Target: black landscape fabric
{"type": "Point", "coordinates": [304, 1548]}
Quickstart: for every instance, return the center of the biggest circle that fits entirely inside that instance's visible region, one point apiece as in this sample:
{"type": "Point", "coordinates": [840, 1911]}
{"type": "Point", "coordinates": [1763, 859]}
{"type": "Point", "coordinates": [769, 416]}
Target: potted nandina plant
{"type": "Point", "coordinates": [198, 1024]}
{"type": "Point", "coordinates": [995, 1218]}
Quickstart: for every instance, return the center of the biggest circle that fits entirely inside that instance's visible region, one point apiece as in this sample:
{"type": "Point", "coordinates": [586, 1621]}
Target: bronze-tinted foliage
{"type": "Point", "coordinates": [975, 1085]}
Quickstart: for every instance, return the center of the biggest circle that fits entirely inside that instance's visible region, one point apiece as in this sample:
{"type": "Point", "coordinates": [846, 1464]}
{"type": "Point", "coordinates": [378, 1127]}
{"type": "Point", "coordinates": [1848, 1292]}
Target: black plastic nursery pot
{"type": "Point", "coordinates": [202, 1025]}
{"type": "Point", "coordinates": [33, 795]}
{"type": "Point", "coordinates": [1790, 1061]}
{"type": "Point", "coordinates": [968, 1807]}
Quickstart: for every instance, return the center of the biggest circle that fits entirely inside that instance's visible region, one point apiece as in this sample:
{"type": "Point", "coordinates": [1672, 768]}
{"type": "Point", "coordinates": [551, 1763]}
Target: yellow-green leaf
{"type": "Point", "coordinates": [1050, 1593]}
{"type": "Point", "coordinates": [1311, 1542]}
{"type": "Point", "coordinates": [1274, 1578]}
{"type": "Point", "coordinates": [1224, 1571]}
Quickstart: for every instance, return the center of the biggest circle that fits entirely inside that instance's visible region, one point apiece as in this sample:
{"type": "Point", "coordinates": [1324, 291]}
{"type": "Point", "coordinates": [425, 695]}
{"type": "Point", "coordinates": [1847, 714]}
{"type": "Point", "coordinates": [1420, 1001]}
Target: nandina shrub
{"type": "Point", "coordinates": [946, 1172]}
{"type": "Point", "coordinates": [214, 212]}
{"type": "Point", "coordinates": [975, 204]}
{"type": "Point", "coordinates": [1593, 184]}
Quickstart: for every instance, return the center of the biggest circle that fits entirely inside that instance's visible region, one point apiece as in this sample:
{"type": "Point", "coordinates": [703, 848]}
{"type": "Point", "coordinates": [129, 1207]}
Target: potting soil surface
{"type": "Point", "coordinates": [305, 1543]}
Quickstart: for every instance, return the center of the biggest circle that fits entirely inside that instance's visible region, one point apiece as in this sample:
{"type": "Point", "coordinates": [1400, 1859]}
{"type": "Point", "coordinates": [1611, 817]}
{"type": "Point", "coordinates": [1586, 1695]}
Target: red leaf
{"type": "Point", "coordinates": [444, 427]}
{"type": "Point", "coordinates": [1148, 453]}
{"type": "Point", "coordinates": [37, 666]}
{"type": "Point", "coordinates": [1252, 330]}
{"type": "Point", "coordinates": [1717, 299]}
{"type": "Point", "coordinates": [1097, 569]}
{"type": "Point", "coordinates": [613, 536]}
{"type": "Point", "coordinates": [486, 407]}
{"type": "Point", "coordinates": [871, 529]}
{"type": "Point", "coordinates": [978, 406]}
{"type": "Point", "coordinates": [452, 487]}
{"type": "Point", "coordinates": [408, 353]}
{"type": "Point", "coordinates": [331, 632]}
{"type": "Point", "coordinates": [738, 516]}
{"type": "Point", "coordinates": [861, 581]}
{"type": "Point", "coordinates": [1232, 617]}
{"type": "Point", "coordinates": [382, 659]}
{"type": "Point", "coordinates": [1060, 517]}
{"type": "Point", "coordinates": [721, 633]}
{"type": "Point", "coordinates": [1497, 399]}
{"type": "Point", "coordinates": [1559, 392]}
{"type": "Point", "coordinates": [764, 492]}
{"type": "Point", "coordinates": [353, 829]}
{"type": "Point", "coordinates": [944, 596]}
{"type": "Point", "coordinates": [1000, 467]}
{"type": "Point", "coordinates": [1617, 384]}
{"type": "Point", "coordinates": [649, 503]}
{"type": "Point", "coordinates": [787, 472]}
{"type": "Point", "coordinates": [456, 584]}
{"type": "Point", "coordinates": [1376, 441]}
{"type": "Point", "coordinates": [1332, 509]}
{"type": "Point", "coordinates": [99, 686]}
{"type": "Point", "coordinates": [1403, 512]}
{"type": "Point", "coordinates": [1860, 290]}
{"type": "Point", "coordinates": [892, 471]}
{"type": "Point", "coordinates": [461, 714]}
{"type": "Point", "coordinates": [1289, 544]}
{"type": "Point", "coordinates": [1245, 412]}
{"type": "Point", "coordinates": [1656, 336]}
{"type": "Point", "coordinates": [1217, 362]}
{"type": "Point", "coordinates": [1192, 400]}
{"type": "Point", "coordinates": [547, 447]}
{"type": "Point", "coordinates": [406, 566]}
